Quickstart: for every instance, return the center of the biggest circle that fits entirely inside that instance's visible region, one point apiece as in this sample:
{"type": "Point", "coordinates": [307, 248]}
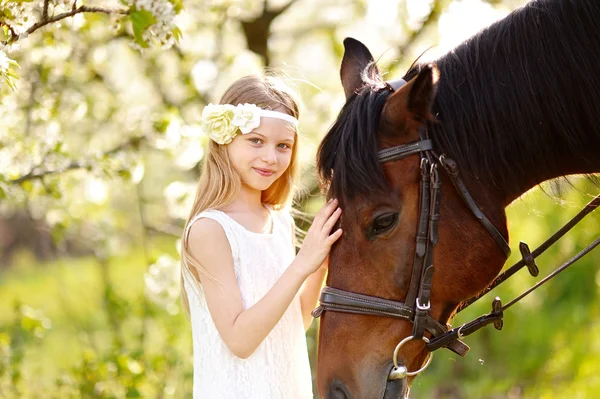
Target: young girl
{"type": "Point", "coordinates": [248, 297]}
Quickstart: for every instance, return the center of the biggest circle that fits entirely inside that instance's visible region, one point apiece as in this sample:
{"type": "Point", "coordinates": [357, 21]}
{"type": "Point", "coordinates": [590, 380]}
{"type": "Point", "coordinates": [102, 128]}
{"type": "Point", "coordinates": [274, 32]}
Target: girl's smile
{"type": "Point", "coordinates": [264, 172]}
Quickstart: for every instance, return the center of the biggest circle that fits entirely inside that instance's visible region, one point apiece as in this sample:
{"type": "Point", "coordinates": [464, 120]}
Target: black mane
{"type": "Point", "coordinates": [350, 147]}
{"type": "Point", "coordinates": [511, 101]}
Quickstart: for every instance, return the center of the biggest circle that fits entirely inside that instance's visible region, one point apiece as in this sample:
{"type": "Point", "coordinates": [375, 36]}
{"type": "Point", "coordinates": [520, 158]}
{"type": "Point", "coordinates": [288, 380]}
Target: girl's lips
{"type": "Point", "coordinates": [264, 172]}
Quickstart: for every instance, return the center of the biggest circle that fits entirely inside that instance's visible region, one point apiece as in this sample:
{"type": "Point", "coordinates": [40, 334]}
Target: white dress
{"type": "Point", "coordinates": [279, 368]}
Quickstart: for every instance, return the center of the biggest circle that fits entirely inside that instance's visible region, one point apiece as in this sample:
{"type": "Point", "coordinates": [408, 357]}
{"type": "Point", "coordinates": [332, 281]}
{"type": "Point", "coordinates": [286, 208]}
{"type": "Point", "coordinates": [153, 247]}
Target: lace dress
{"type": "Point", "coordinates": [279, 368]}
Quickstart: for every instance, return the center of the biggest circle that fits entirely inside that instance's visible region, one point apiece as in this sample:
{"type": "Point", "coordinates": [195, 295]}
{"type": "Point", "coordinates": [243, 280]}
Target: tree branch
{"type": "Point", "coordinates": [166, 229]}
{"type": "Point", "coordinates": [45, 20]}
{"type": "Point", "coordinates": [258, 30]}
{"type": "Point", "coordinates": [45, 10]}
{"type": "Point", "coordinates": [34, 174]}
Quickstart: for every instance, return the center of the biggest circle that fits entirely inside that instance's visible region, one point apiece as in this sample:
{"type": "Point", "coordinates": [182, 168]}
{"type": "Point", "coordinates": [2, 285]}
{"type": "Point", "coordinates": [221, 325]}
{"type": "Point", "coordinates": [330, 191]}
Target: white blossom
{"type": "Point", "coordinates": [4, 62]}
{"type": "Point", "coordinates": [164, 13]}
{"type": "Point", "coordinates": [162, 283]}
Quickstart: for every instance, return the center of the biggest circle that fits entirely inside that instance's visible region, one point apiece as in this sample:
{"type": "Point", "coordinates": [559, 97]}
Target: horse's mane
{"type": "Point", "coordinates": [511, 100]}
{"type": "Point", "coordinates": [350, 147]}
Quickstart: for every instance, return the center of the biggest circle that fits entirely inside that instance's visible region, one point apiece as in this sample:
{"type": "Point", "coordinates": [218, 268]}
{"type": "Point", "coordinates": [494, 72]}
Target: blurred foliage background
{"type": "Point", "coordinates": [100, 150]}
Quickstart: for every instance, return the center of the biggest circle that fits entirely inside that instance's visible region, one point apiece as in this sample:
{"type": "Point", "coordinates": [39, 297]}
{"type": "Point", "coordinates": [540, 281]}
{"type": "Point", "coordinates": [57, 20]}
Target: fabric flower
{"type": "Point", "coordinates": [247, 117]}
{"type": "Point", "coordinates": [217, 122]}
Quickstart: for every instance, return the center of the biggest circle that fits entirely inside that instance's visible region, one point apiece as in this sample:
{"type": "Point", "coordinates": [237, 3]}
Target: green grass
{"type": "Point", "coordinates": [69, 292]}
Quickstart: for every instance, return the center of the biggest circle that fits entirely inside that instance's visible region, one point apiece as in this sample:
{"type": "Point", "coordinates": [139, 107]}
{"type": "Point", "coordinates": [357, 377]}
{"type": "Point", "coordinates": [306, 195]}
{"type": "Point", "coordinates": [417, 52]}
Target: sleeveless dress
{"type": "Point", "coordinates": [279, 368]}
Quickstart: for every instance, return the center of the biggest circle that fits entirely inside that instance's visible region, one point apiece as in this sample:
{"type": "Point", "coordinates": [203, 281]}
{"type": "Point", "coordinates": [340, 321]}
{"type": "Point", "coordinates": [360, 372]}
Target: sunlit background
{"type": "Point", "coordinates": [100, 149]}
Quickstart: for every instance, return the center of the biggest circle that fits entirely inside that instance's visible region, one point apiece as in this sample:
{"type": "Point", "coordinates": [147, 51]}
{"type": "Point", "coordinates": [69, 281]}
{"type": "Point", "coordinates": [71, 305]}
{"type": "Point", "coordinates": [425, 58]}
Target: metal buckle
{"type": "Point", "coordinates": [427, 306]}
{"type": "Point", "coordinates": [433, 168]}
{"type": "Point", "coordinates": [424, 166]}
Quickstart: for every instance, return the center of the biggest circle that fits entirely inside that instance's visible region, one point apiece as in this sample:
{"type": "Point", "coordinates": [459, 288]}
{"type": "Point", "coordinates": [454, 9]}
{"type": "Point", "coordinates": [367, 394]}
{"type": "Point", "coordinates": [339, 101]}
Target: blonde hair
{"type": "Point", "coordinates": [220, 183]}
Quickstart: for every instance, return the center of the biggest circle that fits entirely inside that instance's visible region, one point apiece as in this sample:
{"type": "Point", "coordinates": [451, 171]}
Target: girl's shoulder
{"type": "Point", "coordinates": [209, 219]}
{"type": "Point", "coordinates": [211, 228]}
{"type": "Point", "coordinates": [206, 224]}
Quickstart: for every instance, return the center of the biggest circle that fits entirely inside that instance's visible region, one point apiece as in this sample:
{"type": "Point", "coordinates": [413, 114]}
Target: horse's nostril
{"type": "Point", "coordinates": [338, 390]}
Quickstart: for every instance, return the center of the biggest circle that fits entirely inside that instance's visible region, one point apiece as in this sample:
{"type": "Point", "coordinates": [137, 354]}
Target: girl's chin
{"type": "Point", "coordinates": [258, 185]}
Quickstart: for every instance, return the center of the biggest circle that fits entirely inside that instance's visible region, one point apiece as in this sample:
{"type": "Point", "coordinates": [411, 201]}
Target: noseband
{"type": "Point", "coordinates": [416, 305]}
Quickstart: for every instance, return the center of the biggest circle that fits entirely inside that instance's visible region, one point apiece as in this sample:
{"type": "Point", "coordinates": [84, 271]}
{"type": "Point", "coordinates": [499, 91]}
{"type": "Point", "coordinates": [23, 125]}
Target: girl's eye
{"type": "Point", "coordinates": [255, 140]}
{"type": "Point", "coordinates": [283, 145]}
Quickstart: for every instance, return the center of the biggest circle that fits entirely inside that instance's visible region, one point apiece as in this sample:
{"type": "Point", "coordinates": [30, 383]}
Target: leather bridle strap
{"type": "Point", "coordinates": [528, 257]}
{"type": "Point", "coordinates": [333, 299]}
{"type": "Point", "coordinates": [495, 316]}
{"type": "Point", "coordinates": [452, 170]}
{"type": "Point", "coordinates": [402, 151]}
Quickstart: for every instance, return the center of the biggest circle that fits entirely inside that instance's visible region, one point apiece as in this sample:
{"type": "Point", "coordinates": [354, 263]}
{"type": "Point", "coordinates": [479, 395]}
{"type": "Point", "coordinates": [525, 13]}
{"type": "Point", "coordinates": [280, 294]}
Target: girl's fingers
{"type": "Point", "coordinates": [329, 208]}
{"type": "Point", "coordinates": [334, 236]}
{"type": "Point", "coordinates": [325, 213]}
{"type": "Point", "coordinates": [332, 220]}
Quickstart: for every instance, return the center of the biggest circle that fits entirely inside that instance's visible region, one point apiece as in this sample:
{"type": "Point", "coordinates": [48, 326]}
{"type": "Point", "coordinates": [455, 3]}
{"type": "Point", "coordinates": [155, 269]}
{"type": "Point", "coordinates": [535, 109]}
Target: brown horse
{"type": "Point", "coordinates": [511, 107]}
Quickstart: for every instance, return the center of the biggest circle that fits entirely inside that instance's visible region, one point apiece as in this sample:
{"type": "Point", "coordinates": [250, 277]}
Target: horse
{"type": "Point", "coordinates": [431, 162]}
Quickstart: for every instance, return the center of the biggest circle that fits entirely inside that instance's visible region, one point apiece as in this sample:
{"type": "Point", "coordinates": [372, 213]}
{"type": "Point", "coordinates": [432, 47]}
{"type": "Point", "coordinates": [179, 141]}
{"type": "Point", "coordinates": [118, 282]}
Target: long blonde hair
{"type": "Point", "coordinates": [220, 183]}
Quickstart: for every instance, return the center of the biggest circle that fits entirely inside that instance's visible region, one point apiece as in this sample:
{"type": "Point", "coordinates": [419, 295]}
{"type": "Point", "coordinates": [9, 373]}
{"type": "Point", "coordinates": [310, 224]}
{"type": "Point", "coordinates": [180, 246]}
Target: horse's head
{"type": "Point", "coordinates": [377, 254]}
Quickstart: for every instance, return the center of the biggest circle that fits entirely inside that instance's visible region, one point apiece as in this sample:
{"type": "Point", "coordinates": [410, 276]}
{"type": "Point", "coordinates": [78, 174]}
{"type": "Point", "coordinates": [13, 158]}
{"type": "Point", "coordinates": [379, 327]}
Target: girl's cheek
{"type": "Point", "coordinates": [286, 158]}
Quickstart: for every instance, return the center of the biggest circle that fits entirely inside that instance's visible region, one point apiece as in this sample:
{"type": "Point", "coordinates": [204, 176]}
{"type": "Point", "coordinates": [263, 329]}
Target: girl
{"type": "Point", "coordinates": [249, 299]}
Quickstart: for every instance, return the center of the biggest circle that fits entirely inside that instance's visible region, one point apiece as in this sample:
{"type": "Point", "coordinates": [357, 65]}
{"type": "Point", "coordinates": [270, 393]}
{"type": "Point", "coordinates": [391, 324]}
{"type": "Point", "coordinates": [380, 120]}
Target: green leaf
{"type": "Point", "coordinates": [141, 20]}
{"type": "Point", "coordinates": [177, 5]}
{"type": "Point", "coordinates": [9, 15]}
{"type": "Point", "coordinates": [177, 34]}
{"type": "Point", "coordinates": [124, 173]}
{"type": "Point", "coordinates": [27, 186]}
{"type": "Point", "coordinates": [11, 84]}
{"type": "Point", "coordinates": [132, 392]}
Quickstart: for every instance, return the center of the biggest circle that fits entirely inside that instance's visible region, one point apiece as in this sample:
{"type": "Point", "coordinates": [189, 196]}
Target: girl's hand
{"type": "Point", "coordinates": [319, 239]}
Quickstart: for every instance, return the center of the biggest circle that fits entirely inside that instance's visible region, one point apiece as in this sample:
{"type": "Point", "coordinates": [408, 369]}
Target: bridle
{"type": "Point", "coordinates": [416, 305]}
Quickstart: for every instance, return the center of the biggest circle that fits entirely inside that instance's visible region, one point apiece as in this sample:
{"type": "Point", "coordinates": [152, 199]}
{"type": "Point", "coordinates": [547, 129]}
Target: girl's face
{"type": "Point", "coordinates": [264, 154]}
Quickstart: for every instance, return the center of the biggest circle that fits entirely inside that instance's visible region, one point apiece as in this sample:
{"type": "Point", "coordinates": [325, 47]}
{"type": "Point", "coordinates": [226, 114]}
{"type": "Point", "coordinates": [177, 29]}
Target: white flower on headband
{"type": "Point", "coordinates": [247, 117]}
{"type": "Point", "coordinates": [221, 122]}
{"type": "Point", "coordinates": [217, 122]}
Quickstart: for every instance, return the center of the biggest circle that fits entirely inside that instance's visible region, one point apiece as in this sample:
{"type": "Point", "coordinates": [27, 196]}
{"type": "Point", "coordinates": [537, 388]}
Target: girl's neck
{"type": "Point", "coordinates": [247, 200]}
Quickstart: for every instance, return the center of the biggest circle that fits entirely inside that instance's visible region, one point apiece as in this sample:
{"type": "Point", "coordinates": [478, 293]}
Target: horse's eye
{"type": "Point", "coordinates": [384, 222]}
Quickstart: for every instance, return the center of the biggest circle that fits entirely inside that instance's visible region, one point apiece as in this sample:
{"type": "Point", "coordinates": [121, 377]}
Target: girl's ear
{"type": "Point", "coordinates": [409, 107]}
{"type": "Point", "coordinates": [357, 58]}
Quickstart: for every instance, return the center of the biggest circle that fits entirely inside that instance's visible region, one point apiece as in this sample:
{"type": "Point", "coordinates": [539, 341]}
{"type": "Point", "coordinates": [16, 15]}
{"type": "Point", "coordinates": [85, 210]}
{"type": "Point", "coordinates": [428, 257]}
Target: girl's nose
{"type": "Point", "coordinates": [269, 156]}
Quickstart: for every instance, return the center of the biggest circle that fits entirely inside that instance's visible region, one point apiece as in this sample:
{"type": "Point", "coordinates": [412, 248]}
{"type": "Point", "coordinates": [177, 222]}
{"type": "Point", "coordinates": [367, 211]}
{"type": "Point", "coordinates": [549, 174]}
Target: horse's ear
{"type": "Point", "coordinates": [357, 58]}
{"type": "Point", "coordinates": [410, 105]}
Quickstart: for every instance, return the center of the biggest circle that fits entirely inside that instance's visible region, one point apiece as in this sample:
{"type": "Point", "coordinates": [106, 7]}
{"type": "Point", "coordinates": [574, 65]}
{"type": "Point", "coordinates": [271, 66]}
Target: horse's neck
{"type": "Point", "coordinates": [518, 103]}
{"type": "Point", "coordinates": [563, 163]}
{"type": "Point", "coordinates": [560, 161]}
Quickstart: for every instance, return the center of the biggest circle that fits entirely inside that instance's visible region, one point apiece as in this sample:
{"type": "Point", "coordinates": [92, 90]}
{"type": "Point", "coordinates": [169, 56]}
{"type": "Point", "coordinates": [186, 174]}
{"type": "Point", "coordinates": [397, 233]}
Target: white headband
{"type": "Point", "coordinates": [222, 122]}
{"type": "Point", "coordinates": [267, 113]}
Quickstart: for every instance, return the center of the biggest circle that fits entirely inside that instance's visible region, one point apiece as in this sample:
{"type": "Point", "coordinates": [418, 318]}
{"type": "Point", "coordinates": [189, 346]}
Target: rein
{"type": "Point", "coordinates": [416, 306]}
